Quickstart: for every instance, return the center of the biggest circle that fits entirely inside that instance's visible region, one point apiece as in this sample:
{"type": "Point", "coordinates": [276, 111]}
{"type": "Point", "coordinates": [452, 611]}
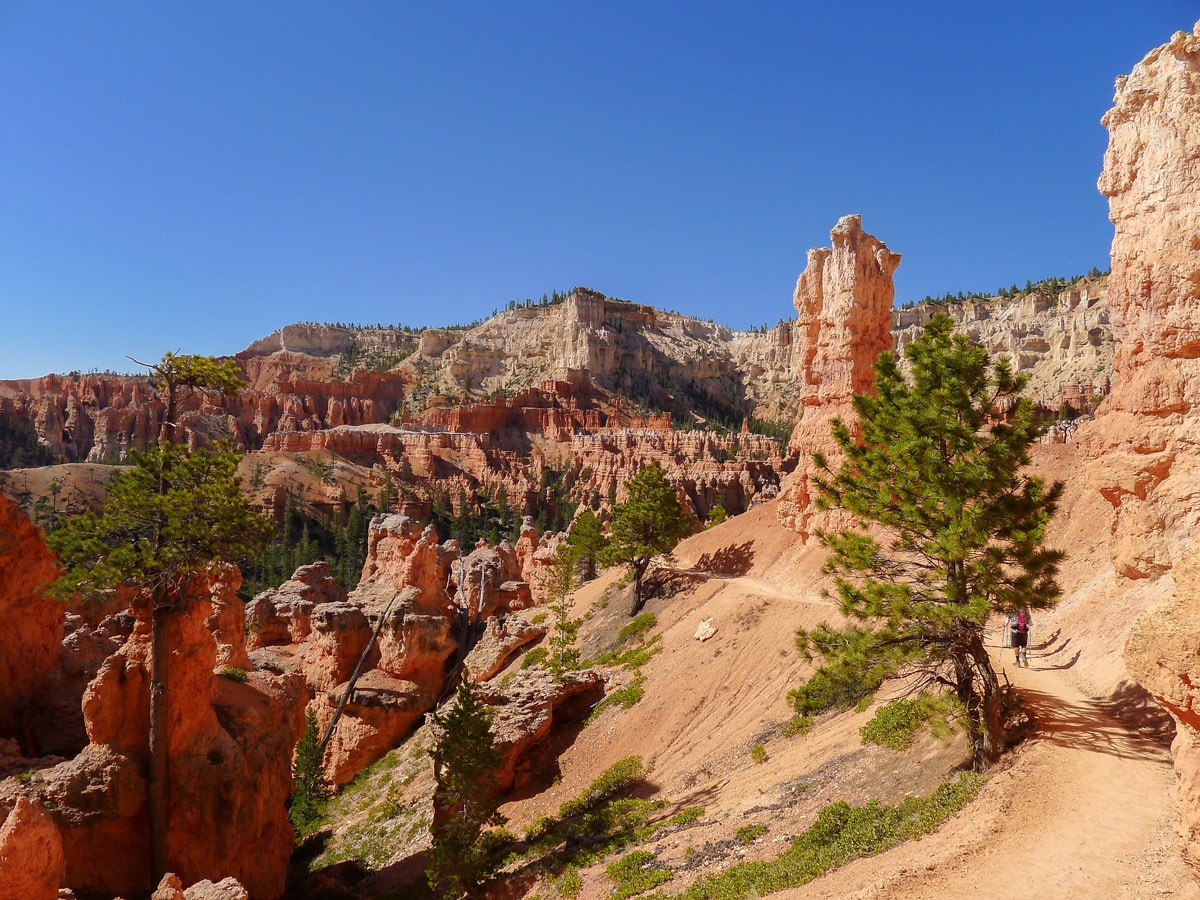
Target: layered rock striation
{"type": "Point", "coordinates": [1145, 442]}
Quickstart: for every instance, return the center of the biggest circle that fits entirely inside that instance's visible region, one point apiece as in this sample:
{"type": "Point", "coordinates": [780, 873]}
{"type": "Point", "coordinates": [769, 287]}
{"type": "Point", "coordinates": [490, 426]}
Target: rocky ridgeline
{"type": "Point", "coordinates": [306, 378]}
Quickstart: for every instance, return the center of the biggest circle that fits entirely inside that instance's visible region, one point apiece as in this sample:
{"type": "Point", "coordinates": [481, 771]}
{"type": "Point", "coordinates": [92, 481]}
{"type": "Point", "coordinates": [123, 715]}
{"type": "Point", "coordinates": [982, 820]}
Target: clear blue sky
{"type": "Point", "coordinates": [192, 176]}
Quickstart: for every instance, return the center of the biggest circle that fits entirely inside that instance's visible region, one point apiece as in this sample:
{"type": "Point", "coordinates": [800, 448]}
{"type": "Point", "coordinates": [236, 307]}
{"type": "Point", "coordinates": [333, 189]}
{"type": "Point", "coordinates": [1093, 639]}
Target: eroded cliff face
{"type": "Point", "coordinates": [844, 301]}
{"type": "Point", "coordinates": [1145, 440]}
{"type": "Point", "coordinates": [230, 749]}
{"type": "Point", "coordinates": [1062, 342]}
{"type": "Point", "coordinates": [1163, 655]}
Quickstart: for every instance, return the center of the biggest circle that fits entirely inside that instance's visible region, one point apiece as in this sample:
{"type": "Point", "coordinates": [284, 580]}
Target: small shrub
{"type": "Point", "coordinates": [751, 833]}
{"type": "Point", "coordinates": [797, 726]}
{"type": "Point", "coordinates": [569, 884]}
{"type": "Point", "coordinates": [534, 656]}
{"type": "Point", "coordinates": [758, 753]}
{"type": "Point", "coordinates": [641, 623]}
{"type": "Point", "coordinates": [686, 816]}
{"type": "Point", "coordinates": [233, 673]}
{"type": "Point", "coordinates": [897, 724]}
{"type": "Point", "coordinates": [538, 619]}
{"type": "Point", "coordinates": [620, 776]}
{"type": "Point", "coordinates": [624, 697]}
{"type": "Point", "coordinates": [635, 874]}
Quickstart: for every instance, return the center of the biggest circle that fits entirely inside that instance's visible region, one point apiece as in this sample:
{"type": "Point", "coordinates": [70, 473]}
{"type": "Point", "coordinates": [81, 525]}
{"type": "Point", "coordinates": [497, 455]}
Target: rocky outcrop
{"type": "Point", "coordinates": [844, 300]}
{"type": "Point", "coordinates": [171, 888]}
{"type": "Point", "coordinates": [502, 639]}
{"type": "Point", "coordinates": [284, 615]}
{"type": "Point", "coordinates": [1145, 438]}
{"type": "Point", "coordinates": [1163, 654]}
{"type": "Point", "coordinates": [527, 711]}
{"type": "Point", "coordinates": [31, 854]}
{"type": "Point", "coordinates": [230, 747]}
{"type": "Point", "coordinates": [31, 623]}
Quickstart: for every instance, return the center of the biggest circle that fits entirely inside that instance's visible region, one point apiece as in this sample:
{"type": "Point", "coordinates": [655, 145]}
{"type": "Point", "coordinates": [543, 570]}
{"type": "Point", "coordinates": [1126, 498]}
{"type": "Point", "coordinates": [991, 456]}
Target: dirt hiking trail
{"type": "Point", "coordinates": [1081, 809]}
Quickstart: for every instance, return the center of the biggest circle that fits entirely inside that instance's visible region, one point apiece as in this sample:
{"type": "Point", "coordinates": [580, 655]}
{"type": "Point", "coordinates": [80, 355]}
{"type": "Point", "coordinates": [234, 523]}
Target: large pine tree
{"type": "Point", "coordinates": [951, 529]}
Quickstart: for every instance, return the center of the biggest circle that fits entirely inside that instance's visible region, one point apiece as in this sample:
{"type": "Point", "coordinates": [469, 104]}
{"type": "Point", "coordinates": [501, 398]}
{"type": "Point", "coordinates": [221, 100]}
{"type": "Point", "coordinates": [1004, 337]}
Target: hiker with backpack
{"type": "Point", "coordinates": [1018, 633]}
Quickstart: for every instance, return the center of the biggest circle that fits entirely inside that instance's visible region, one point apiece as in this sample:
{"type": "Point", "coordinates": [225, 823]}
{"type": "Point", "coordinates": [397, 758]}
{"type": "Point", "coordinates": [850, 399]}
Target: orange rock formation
{"type": "Point", "coordinates": [844, 299]}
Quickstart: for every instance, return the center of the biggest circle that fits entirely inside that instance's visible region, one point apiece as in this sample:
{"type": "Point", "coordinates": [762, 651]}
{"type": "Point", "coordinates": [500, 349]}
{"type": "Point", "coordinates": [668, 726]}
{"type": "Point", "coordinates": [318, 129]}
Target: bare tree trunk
{"type": "Point", "coordinates": [158, 788]}
{"type": "Point", "coordinates": [639, 599]}
{"type": "Point", "coordinates": [979, 692]}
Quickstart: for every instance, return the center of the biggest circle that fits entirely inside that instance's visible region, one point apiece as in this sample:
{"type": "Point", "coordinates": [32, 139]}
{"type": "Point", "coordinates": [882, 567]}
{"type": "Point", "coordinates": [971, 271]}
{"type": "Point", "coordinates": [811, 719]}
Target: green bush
{"type": "Point", "coordinates": [634, 874]}
{"type": "Point", "coordinates": [751, 833]}
{"type": "Point", "coordinates": [841, 833]}
{"type": "Point", "coordinates": [897, 724]}
{"type": "Point", "coordinates": [620, 776]}
{"type": "Point", "coordinates": [233, 673]}
{"type": "Point", "coordinates": [758, 753]}
{"type": "Point", "coordinates": [641, 623]}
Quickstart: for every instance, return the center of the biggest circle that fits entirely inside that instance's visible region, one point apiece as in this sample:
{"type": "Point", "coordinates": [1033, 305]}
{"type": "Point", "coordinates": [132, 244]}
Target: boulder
{"type": "Point", "coordinates": [502, 639]}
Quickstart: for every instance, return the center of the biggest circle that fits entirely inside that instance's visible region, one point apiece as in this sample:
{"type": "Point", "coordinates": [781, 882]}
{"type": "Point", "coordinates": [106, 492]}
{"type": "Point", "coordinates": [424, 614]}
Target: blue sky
{"type": "Point", "coordinates": [193, 176]}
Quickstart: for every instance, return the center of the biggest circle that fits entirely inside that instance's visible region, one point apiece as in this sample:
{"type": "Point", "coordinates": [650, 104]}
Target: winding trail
{"type": "Point", "coordinates": [1081, 810]}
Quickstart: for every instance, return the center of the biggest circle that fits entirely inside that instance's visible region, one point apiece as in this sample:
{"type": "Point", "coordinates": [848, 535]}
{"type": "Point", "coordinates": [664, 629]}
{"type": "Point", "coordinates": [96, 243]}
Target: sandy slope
{"type": "Point", "coordinates": [1081, 809]}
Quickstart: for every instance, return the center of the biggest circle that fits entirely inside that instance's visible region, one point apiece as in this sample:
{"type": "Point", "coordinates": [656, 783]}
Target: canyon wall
{"type": "Point", "coordinates": [1147, 437]}
{"type": "Point", "coordinates": [1144, 444]}
{"type": "Point", "coordinates": [31, 623]}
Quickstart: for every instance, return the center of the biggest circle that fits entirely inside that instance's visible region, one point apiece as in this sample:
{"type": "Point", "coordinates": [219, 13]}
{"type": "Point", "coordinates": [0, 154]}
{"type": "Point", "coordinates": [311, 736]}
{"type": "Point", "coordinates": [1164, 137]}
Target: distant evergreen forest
{"type": "Point", "coordinates": [19, 447]}
{"type": "Point", "coordinates": [1047, 286]}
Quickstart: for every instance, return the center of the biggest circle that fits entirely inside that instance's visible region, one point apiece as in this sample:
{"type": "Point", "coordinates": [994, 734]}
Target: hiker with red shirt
{"type": "Point", "coordinates": [1018, 631]}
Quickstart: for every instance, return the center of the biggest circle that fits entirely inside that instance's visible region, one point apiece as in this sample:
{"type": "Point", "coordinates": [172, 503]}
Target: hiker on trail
{"type": "Point", "coordinates": [1018, 632]}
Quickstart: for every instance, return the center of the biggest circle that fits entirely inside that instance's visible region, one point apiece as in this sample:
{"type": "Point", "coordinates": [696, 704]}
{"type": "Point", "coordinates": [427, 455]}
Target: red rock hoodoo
{"type": "Point", "coordinates": [844, 299]}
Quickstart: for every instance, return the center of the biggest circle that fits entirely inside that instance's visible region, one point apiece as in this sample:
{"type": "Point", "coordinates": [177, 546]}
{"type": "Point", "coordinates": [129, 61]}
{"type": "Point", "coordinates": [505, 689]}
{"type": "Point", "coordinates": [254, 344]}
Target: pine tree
{"type": "Point", "coordinates": [465, 761]}
{"type": "Point", "coordinates": [951, 530]}
{"type": "Point", "coordinates": [309, 788]}
{"type": "Point", "coordinates": [649, 523]}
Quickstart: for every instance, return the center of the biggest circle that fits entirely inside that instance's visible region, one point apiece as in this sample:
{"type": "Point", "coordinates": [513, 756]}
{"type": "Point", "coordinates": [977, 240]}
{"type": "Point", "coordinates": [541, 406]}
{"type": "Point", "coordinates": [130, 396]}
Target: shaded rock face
{"type": "Point", "coordinates": [31, 854]}
{"type": "Point", "coordinates": [230, 748]}
{"type": "Point", "coordinates": [844, 304]}
{"type": "Point", "coordinates": [528, 710]}
{"type": "Point", "coordinates": [1163, 654]}
{"type": "Point", "coordinates": [1145, 437]}
{"type": "Point", "coordinates": [31, 624]}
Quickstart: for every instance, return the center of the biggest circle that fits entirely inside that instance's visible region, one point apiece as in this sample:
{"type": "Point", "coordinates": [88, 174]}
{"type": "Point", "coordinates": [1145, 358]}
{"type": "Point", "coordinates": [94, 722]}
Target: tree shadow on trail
{"type": "Point", "coordinates": [1050, 655]}
{"type": "Point", "coordinates": [1090, 724]}
{"type": "Point", "coordinates": [731, 561]}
